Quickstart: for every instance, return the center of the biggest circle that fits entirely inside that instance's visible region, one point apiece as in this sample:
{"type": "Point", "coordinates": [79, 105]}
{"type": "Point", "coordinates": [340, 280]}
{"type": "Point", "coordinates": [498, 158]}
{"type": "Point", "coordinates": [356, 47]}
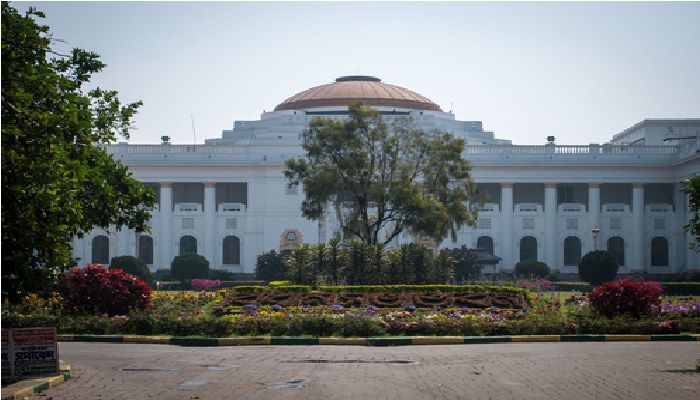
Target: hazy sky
{"type": "Point", "coordinates": [579, 71]}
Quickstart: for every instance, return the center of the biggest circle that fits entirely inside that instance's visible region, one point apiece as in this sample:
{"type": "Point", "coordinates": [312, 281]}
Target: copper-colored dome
{"type": "Point", "coordinates": [348, 89]}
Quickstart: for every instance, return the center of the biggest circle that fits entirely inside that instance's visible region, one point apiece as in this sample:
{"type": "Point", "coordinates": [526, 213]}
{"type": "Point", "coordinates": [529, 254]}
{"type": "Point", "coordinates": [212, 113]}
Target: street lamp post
{"type": "Point", "coordinates": [595, 232]}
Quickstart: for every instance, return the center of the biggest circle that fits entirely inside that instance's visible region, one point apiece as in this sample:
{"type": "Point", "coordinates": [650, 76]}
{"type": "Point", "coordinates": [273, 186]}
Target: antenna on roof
{"type": "Point", "coordinates": [194, 135]}
{"type": "Point", "coordinates": [451, 107]}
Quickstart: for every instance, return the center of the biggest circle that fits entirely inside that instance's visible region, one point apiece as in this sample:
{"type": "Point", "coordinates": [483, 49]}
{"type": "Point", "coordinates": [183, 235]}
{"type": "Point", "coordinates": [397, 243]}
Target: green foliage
{"type": "Point", "coordinates": [381, 178]}
{"type": "Point", "coordinates": [221, 274]}
{"type": "Point", "coordinates": [335, 260]}
{"type": "Point", "coordinates": [531, 269]}
{"type": "Point", "coordinates": [443, 270]}
{"type": "Point", "coordinates": [270, 266]}
{"type": "Point", "coordinates": [134, 266]}
{"type": "Point", "coordinates": [692, 189]}
{"type": "Point", "coordinates": [467, 266]}
{"type": "Point", "coordinates": [299, 265]}
{"type": "Point", "coordinates": [57, 179]}
{"type": "Point", "coordinates": [188, 266]}
{"type": "Point", "coordinates": [597, 267]}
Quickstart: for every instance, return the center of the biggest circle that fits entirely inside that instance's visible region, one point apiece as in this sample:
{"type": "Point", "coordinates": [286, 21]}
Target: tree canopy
{"type": "Point", "coordinates": [692, 189]}
{"type": "Point", "coordinates": [383, 177]}
{"type": "Point", "coordinates": [57, 179]}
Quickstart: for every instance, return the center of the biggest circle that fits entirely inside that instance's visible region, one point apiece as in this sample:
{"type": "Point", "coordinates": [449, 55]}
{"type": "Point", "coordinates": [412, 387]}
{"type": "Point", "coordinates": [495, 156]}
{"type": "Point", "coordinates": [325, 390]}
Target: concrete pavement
{"type": "Point", "coordinates": [615, 370]}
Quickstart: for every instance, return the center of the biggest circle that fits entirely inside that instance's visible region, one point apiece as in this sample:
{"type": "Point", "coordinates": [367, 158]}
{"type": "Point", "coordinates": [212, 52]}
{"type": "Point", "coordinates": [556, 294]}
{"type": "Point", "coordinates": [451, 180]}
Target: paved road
{"type": "Point", "coordinates": [567, 371]}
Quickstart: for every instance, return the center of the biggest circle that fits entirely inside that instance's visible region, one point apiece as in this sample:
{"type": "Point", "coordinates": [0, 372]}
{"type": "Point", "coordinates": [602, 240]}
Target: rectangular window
{"type": "Point", "coordinates": [659, 224]}
{"type": "Point", "coordinates": [615, 224]}
{"type": "Point", "coordinates": [188, 223]}
{"type": "Point", "coordinates": [231, 223]}
{"type": "Point", "coordinates": [528, 223]}
{"type": "Point", "coordinates": [484, 223]}
{"type": "Point", "coordinates": [572, 223]}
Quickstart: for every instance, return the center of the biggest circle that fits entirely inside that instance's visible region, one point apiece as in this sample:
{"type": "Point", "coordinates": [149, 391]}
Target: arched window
{"type": "Point", "coordinates": [616, 245]}
{"type": "Point", "coordinates": [146, 249]}
{"type": "Point", "coordinates": [232, 250]}
{"type": "Point", "coordinates": [188, 245]}
{"type": "Point", "coordinates": [528, 249]}
{"type": "Point", "coordinates": [486, 243]}
{"type": "Point", "coordinates": [100, 250]}
{"type": "Point", "coordinates": [572, 250]}
{"type": "Point", "coordinates": [659, 252]}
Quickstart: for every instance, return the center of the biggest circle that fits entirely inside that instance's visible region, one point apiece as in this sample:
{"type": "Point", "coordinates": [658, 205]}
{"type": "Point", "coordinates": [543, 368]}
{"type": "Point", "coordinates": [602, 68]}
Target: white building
{"type": "Point", "coordinates": [227, 199]}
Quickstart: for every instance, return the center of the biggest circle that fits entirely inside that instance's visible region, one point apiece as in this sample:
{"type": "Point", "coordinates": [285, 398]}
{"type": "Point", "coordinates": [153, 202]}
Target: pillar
{"type": "Point", "coordinates": [550, 225]}
{"type": "Point", "coordinates": [123, 236]}
{"type": "Point", "coordinates": [210, 222]}
{"type": "Point", "coordinates": [166, 223]}
{"type": "Point", "coordinates": [507, 261]}
{"type": "Point", "coordinates": [638, 248]}
{"type": "Point", "coordinates": [594, 214]}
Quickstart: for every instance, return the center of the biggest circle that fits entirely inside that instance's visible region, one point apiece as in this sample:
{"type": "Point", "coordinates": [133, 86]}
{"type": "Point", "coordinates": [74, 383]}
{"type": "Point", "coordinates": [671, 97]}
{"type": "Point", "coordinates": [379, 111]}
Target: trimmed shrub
{"type": "Point", "coordinates": [271, 267]}
{"type": "Point", "coordinates": [626, 297]}
{"type": "Point", "coordinates": [189, 266]}
{"type": "Point", "coordinates": [531, 269]}
{"type": "Point", "coordinates": [134, 266]}
{"type": "Point", "coordinates": [597, 267]}
{"type": "Point", "coordinates": [221, 274]}
{"type": "Point", "coordinates": [467, 265]}
{"type": "Point", "coordinates": [96, 290]}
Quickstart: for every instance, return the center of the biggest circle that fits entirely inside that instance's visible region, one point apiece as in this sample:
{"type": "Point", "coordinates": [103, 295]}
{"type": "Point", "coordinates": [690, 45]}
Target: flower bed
{"type": "Point", "coordinates": [383, 299]}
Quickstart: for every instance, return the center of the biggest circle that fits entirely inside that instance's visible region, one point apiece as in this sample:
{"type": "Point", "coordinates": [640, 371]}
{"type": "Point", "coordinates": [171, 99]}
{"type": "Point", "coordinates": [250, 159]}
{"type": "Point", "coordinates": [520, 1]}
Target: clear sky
{"type": "Point", "coordinates": [579, 71]}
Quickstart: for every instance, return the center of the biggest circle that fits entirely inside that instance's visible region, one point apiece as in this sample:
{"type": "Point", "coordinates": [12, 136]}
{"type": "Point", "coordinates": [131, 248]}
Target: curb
{"type": "Point", "coordinates": [30, 387]}
{"type": "Point", "coordinates": [370, 341]}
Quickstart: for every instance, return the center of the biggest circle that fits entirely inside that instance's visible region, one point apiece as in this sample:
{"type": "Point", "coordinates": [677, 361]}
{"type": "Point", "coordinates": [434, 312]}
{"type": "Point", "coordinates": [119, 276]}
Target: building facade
{"type": "Point", "coordinates": [228, 201]}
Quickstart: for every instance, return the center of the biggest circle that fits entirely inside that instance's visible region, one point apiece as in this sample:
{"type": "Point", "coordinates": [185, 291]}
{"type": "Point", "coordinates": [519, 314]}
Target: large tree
{"type": "Point", "coordinates": [382, 177]}
{"type": "Point", "coordinates": [57, 179]}
{"type": "Point", "coordinates": [692, 189]}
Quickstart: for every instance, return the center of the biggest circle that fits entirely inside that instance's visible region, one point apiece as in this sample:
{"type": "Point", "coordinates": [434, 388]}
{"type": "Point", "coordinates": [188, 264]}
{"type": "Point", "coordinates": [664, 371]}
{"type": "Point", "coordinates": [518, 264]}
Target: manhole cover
{"type": "Point", "coordinates": [193, 383]}
{"type": "Point", "coordinates": [323, 361]}
{"type": "Point", "coordinates": [220, 367]}
{"type": "Point", "coordinates": [141, 368]}
{"type": "Point", "coordinates": [294, 383]}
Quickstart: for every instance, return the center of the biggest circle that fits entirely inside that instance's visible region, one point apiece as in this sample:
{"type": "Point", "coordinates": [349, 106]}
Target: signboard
{"type": "Point", "coordinates": [34, 352]}
{"type": "Point", "coordinates": [6, 366]}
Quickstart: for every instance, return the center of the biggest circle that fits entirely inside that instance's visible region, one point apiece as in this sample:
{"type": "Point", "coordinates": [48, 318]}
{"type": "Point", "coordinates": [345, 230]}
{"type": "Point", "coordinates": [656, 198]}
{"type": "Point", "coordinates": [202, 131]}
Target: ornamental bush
{"type": "Point", "coordinates": [531, 269]}
{"type": "Point", "coordinates": [134, 266]}
{"type": "Point", "coordinates": [597, 267]}
{"type": "Point", "coordinates": [626, 297]}
{"type": "Point", "coordinates": [188, 266]}
{"type": "Point", "coordinates": [271, 267]}
{"type": "Point", "coordinates": [96, 290]}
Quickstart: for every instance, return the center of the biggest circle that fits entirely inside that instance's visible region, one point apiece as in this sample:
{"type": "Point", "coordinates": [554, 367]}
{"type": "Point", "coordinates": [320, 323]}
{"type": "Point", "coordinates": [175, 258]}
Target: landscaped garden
{"type": "Point", "coordinates": [99, 301]}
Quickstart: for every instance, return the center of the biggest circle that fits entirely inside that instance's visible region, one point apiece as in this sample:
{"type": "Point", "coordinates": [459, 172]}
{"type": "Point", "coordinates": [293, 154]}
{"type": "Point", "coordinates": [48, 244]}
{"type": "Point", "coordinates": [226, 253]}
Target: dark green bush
{"type": "Point", "coordinates": [134, 266]}
{"type": "Point", "coordinates": [189, 266]}
{"type": "Point", "coordinates": [221, 274]}
{"type": "Point", "coordinates": [531, 269]}
{"type": "Point", "coordinates": [271, 267]}
{"type": "Point", "coordinates": [598, 267]}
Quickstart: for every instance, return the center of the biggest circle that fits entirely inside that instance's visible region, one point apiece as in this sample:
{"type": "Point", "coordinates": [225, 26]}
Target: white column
{"type": "Point", "coordinates": [165, 239]}
{"type": "Point", "coordinates": [507, 226]}
{"type": "Point", "coordinates": [550, 225]}
{"type": "Point", "coordinates": [638, 248]}
{"type": "Point", "coordinates": [594, 214]}
{"type": "Point", "coordinates": [123, 237]}
{"type": "Point", "coordinates": [210, 222]}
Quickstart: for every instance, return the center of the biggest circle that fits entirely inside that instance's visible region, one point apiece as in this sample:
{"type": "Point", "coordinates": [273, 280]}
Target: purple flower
{"type": "Point", "coordinates": [371, 308]}
{"type": "Point", "coordinates": [276, 307]}
{"type": "Point", "coordinates": [250, 307]}
{"type": "Point", "coordinates": [336, 307]}
{"type": "Point", "coordinates": [410, 308]}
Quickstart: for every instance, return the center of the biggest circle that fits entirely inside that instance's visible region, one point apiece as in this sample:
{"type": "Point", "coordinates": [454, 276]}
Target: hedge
{"type": "Point", "coordinates": [670, 288]}
{"type": "Point", "coordinates": [378, 288]}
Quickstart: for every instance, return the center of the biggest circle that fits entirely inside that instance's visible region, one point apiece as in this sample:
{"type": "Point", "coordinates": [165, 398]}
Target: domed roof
{"type": "Point", "coordinates": [367, 89]}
